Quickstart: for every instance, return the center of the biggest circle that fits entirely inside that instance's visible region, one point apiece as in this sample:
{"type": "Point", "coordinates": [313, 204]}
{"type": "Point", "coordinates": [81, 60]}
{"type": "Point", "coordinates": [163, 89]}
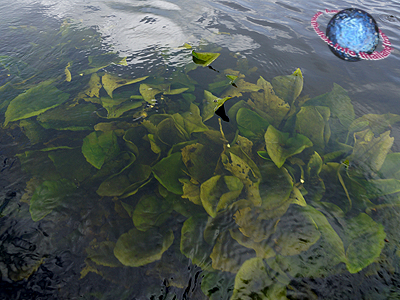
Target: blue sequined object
{"type": "Point", "coordinates": [355, 30]}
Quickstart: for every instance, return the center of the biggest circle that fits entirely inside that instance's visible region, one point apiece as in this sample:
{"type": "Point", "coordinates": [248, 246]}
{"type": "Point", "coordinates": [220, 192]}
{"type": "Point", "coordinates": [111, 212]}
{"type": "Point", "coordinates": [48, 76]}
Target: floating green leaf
{"type": "Point", "coordinates": [48, 196]}
{"type": "Point", "coordinates": [204, 58]}
{"type": "Point", "coordinates": [280, 146]}
{"type": "Point", "coordinates": [138, 248]}
{"type": "Point", "coordinates": [34, 101]}
{"type": "Point", "coordinates": [98, 147]}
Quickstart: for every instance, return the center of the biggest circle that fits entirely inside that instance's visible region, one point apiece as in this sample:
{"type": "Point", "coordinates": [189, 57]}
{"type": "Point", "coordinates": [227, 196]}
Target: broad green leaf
{"type": "Point", "coordinates": [365, 242]}
{"type": "Point", "coordinates": [280, 146]}
{"type": "Point", "coordinates": [204, 58]}
{"type": "Point", "coordinates": [116, 107]}
{"type": "Point", "coordinates": [34, 132]}
{"type": "Point", "coordinates": [240, 87]}
{"type": "Point", "coordinates": [377, 123]}
{"type": "Point", "coordinates": [228, 255]}
{"type": "Point", "coordinates": [170, 132]}
{"type": "Point", "coordinates": [211, 104]}
{"type": "Point", "coordinates": [391, 166]}
{"type": "Point", "coordinates": [191, 191]}
{"type": "Point", "coordinates": [118, 183]}
{"type": "Point", "coordinates": [34, 101]}
{"type": "Point", "coordinates": [250, 124]}
{"type": "Point", "coordinates": [139, 176]}
{"type": "Point", "coordinates": [48, 196]}
{"type": "Point", "coordinates": [192, 121]}
{"type": "Point", "coordinates": [137, 248]}
{"type": "Point", "coordinates": [192, 244]}
{"type": "Point", "coordinates": [151, 212]}
{"type": "Point", "coordinates": [269, 103]}
{"type": "Point", "coordinates": [255, 280]}
{"type": "Point", "coordinates": [112, 82]}
{"type": "Point", "coordinates": [103, 254]}
{"type": "Point", "coordinates": [312, 121]}
{"type": "Point", "coordinates": [322, 258]}
{"type": "Point", "coordinates": [296, 232]}
{"type": "Point", "coordinates": [275, 188]}
{"type": "Point", "coordinates": [314, 184]}
{"type": "Point", "coordinates": [342, 111]}
{"type": "Point", "coordinates": [93, 87]}
{"type": "Point", "coordinates": [246, 170]}
{"type": "Point", "coordinates": [288, 87]}
{"type": "Point", "coordinates": [381, 187]}
{"type": "Point", "coordinates": [99, 147]}
{"type": "Point", "coordinates": [218, 192]}
{"type": "Point", "coordinates": [199, 161]}
{"type": "Point", "coordinates": [168, 171]}
{"type": "Point", "coordinates": [370, 152]}
{"type": "Point", "coordinates": [75, 118]}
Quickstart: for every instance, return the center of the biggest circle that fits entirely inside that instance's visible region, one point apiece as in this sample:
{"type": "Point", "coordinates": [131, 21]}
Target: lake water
{"type": "Point", "coordinates": [119, 181]}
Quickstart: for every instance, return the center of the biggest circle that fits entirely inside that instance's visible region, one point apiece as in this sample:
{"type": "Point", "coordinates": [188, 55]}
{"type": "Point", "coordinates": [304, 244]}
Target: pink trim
{"type": "Point", "coordinates": [373, 56]}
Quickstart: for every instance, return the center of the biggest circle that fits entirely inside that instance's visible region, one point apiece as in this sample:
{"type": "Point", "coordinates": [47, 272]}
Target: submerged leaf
{"type": "Point", "coordinates": [103, 254]}
{"type": "Point", "coordinates": [269, 103]}
{"type": "Point", "coordinates": [255, 280]}
{"type": "Point", "coordinates": [280, 146]}
{"type": "Point", "coordinates": [312, 121]}
{"type": "Point", "coordinates": [250, 124]}
{"type": "Point", "coordinates": [365, 242]}
{"type": "Point", "coordinates": [100, 146]}
{"type": "Point", "coordinates": [150, 212]}
{"type": "Point", "coordinates": [288, 87]}
{"type": "Point", "coordinates": [111, 82]}
{"type": "Point", "coordinates": [137, 248]}
{"type": "Point", "coordinates": [48, 196]}
{"type": "Point", "coordinates": [168, 171]}
{"type": "Point", "coordinates": [370, 152]}
{"type": "Point", "coordinates": [34, 101]}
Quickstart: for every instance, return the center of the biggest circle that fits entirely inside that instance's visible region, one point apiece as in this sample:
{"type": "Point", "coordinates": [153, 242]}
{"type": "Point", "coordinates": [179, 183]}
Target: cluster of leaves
{"type": "Point", "coordinates": [281, 195]}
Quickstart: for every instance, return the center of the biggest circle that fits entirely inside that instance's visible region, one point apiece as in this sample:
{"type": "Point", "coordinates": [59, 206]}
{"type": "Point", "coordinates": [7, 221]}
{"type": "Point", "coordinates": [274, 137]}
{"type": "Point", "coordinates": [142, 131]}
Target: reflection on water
{"type": "Point", "coordinates": [109, 194]}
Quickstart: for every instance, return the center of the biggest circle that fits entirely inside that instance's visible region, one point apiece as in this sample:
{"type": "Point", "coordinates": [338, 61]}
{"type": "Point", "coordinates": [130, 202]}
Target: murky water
{"type": "Point", "coordinates": [91, 202]}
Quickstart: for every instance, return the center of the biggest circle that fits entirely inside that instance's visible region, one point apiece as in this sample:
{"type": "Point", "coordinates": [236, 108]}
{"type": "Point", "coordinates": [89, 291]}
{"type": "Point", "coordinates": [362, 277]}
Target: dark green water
{"type": "Point", "coordinates": [120, 182]}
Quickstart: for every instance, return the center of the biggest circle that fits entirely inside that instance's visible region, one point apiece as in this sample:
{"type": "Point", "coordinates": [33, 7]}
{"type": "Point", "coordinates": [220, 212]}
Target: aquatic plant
{"type": "Point", "coordinates": [287, 188]}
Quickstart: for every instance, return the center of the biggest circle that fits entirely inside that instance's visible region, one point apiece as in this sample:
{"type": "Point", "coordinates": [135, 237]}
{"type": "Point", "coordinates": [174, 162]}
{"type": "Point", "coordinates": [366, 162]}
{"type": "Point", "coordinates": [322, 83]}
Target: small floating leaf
{"type": "Point", "coordinates": [204, 58]}
{"type": "Point", "coordinates": [211, 104]}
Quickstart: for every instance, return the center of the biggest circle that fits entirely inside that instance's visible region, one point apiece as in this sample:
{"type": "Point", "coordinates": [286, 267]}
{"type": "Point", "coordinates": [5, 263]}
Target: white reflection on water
{"type": "Point", "coordinates": [130, 26]}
